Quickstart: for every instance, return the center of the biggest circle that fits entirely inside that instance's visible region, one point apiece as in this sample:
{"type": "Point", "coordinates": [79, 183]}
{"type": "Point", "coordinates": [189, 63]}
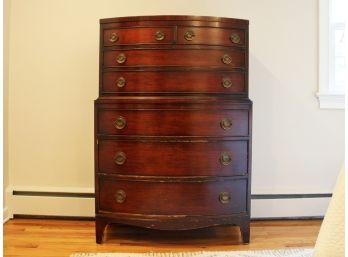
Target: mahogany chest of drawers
{"type": "Point", "coordinates": [173, 123]}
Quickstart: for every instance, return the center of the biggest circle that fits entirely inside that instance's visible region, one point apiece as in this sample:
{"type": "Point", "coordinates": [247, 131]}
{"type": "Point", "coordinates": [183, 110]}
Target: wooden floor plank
{"type": "Point", "coordinates": [60, 238]}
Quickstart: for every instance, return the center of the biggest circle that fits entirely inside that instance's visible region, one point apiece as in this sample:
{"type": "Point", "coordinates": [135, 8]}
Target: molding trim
{"type": "Point", "coordinates": [289, 207]}
{"type": "Point", "coordinates": [54, 194]}
{"type": "Point", "coordinates": [331, 101]}
{"type": "Point", "coordinates": [288, 196]}
{"type": "Point", "coordinates": [91, 195]}
{"type": "Point", "coordinates": [52, 217]}
{"type": "Point", "coordinates": [6, 215]}
{"type": "Point", "coordinates": [290, 218]}
{"type": "Point", "coordinates": [7, 211]}
{"type": "Point", "coordinates": [79, 202]}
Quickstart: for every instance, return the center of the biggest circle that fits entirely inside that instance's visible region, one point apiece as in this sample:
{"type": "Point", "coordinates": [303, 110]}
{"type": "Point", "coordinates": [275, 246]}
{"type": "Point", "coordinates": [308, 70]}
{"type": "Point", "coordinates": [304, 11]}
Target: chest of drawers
{"type": "Point", "coordinates": [173, 123]}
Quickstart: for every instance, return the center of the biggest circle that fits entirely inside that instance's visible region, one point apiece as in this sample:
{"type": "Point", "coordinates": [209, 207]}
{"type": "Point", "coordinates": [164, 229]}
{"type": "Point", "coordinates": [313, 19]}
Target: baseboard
{"type": "Point", "coordinates": [57, 217]}
{"type": "Point", "coordinates": [52, 201]}
{"type": "Point", "coordinates": [7, 211]}
{"type": "Point", "coordinates": [79, 202]}
{"type": "Point", "coordinates": [52, 217]}
{"type": "Point", "coordinates": [6, 215]}
{"type": "Point", "coordinates": [287, 207]}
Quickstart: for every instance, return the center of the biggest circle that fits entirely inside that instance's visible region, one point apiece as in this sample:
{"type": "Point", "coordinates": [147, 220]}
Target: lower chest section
{"type": "Point", "coordinates": [172, 158]}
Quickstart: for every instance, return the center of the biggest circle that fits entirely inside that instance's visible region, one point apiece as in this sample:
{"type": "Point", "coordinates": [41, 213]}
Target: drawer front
{"type": "Point", "coordinates": [173, 122]}
{"type": "Point", "coordinates": [172, 198]}
{"type": "Point", "coordinates": [224, 158]}
{"type": "Point", "coordinates": [131, 36]}
{"type": "Point", "coordinates": [211, 36]}
{"type": "Point", "coordinates": [167, 82]}
{"type": "Point", "coordinates": [228, 58]}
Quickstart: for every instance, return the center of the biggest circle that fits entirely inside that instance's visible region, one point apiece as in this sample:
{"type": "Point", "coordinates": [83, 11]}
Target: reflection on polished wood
{"type": "Point", "coordinates": [53, 238]}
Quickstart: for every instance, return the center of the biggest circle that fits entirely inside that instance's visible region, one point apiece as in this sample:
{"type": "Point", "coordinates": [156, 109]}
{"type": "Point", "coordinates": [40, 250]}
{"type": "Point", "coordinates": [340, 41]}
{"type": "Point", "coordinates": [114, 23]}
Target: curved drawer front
{"type": "Point", "coordinates": [144, 35]}
{"type": "Point", "coordinates": [211, 36]}
{"type": "Point", "coordinates": [173, 122]}
{"type": "Point", "coordinates": [228, 58]}
{"type": "Point", "coordinates": [224, 158]}
{"type": "Point", "coordinates": [172, 198]}
{"type": "Point", "coordinates": [174, 81]}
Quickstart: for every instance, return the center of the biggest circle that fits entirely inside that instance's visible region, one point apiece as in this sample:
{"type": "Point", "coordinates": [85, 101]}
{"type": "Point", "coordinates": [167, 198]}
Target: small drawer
{"type": "Point", "coordinates": [173, 122]}
{"type": "Point", "coordinates": [134, 36]}
{"type": "Point", "coordinates": [172, 198]}
{"type": "Point", "coordinates": [211, 36]}
{"type": "Point", "coordinates": [195, 158]}
{"type": "Point", "coordinates": [173, 82]}
{"type": "Point", "coordinates": [227, 58]}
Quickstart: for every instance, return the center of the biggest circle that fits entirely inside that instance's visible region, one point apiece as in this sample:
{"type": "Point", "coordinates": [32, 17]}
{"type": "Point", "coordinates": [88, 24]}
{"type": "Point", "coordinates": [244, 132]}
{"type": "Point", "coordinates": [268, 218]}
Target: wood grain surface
{"type": "Point", "coordinates": [60, 238]}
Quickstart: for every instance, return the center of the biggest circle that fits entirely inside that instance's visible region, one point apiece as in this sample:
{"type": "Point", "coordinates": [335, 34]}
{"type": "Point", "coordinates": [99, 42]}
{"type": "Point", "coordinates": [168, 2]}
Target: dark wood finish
{"type": "Point", "coordinates": [100, 225]}
{"type": "Point", "coordinates": [175, 19]}
{"type": "Point", "coordinates": [211, 36]}
{"type": "Point", "coordinates": [173, 102]}
{"type": "Point", "coordinates": [173, 82]}
{"type": "Point", "coordinates": [168, 198]}
{"type": "Point", "coordinates": [173, 123]}
{"type": "Point", "coordinates": [136, 36]}
{"type": "Point", "coordinates": [175, 57]}
{"type": "Point", "coordinates": [187, 158]}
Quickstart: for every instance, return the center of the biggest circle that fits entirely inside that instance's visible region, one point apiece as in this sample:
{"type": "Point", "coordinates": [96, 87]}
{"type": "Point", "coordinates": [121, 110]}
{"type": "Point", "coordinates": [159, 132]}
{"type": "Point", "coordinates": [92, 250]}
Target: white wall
{"type": "Point", "coordinates": [53, 80]}
{"type": "Point", "coordinates": [6, 27]}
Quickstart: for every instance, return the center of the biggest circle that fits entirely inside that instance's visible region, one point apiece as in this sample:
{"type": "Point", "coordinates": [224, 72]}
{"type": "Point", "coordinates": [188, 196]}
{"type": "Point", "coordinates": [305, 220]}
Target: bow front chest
{"type": "Point", "coordinates": [173, 123]}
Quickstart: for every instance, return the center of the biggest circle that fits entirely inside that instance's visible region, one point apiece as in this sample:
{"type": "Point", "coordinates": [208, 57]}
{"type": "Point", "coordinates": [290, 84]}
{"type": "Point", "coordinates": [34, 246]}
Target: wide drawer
{"type": "Point", "coordinates": [211, 36]}
{"type": "Point", "coordinates": [172, 198]}
{"type": "Point", "coordinates": [196, 158]}
{"type": "Point", "coordinates": [142, 35]}
{"type": "Point", "coordinates": [173, 81]}
{"type": "Point", "coordinates": [220, 58]}
{"type": "Point", "coordinates": [173, 122]}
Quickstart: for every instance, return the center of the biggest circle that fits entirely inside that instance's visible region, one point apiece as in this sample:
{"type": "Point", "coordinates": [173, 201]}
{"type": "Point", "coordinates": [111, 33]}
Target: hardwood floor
{"type": "Point", "coordinates": [53, 238]}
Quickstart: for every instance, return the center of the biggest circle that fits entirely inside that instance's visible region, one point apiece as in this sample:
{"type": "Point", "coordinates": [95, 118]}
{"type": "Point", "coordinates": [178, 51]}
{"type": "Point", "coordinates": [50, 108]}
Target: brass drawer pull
{"type": "Point", "coordinates": [189, 35]}
{"type": "Point", "coordinates": [113, 37]}
{"type": "Point", "coordinates": [226, 82]}
{"type": "Point", "coordinates": [121, 82]}
{"type": "Point", "coordinates": [235, 38]}
{"type": "Point", "coordinates": [226, 124]}
{"type": "Point", "coordinates": [226, 59]}
{"type": "Point", "coordinates": [120, 122]}
{"type": "Point", "coordinates": [225, 159]}
{"type": "Point", "coordinates": [120, 196]}
{"type": "Point", "coordinates": [159, 35]}
{"type": "Point", "coordinates": [121, 58]}
{"type": "Point", "coordinates": [224, 197]}
{"type": "Point", "coordinates": [120, 158]}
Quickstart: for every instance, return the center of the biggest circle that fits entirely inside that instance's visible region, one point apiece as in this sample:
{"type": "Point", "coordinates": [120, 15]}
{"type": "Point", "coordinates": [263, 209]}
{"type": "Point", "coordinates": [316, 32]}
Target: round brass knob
{"type": "Point", "coordinates": [121, 82]}
{"type": "Point", "coordinates": [121, 58]}
{"type": "Point", "coordinates": [120, 122]}
{"type": "Point", "coordinates": [120, 158]}
{"type": "Point", "coordinates": [224, 197]}
{"type": "Point", "coordinates": [189, 35]}
{"type": "Point", "coordinates": [226, 82]}
{"type": "Point", "coordinates": [226, 59]}
{"type": "Point", "coordinates": [120, 196]}
{"type": "Point", "coordinates": [159, 35]}
{"type": "Point", "coordinates": [225, 159]}
{"type": "Point", "coordinates": [235, 38]}
{"type": "Point", "coordinates": [113, 37]}
{"type": "Point", "coordinates": [226, 124]}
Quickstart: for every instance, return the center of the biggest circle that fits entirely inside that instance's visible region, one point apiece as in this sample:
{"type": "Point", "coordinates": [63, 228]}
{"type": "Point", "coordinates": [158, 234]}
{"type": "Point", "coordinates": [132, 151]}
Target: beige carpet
{"type": "Point", "coordinates": [298, 252]}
